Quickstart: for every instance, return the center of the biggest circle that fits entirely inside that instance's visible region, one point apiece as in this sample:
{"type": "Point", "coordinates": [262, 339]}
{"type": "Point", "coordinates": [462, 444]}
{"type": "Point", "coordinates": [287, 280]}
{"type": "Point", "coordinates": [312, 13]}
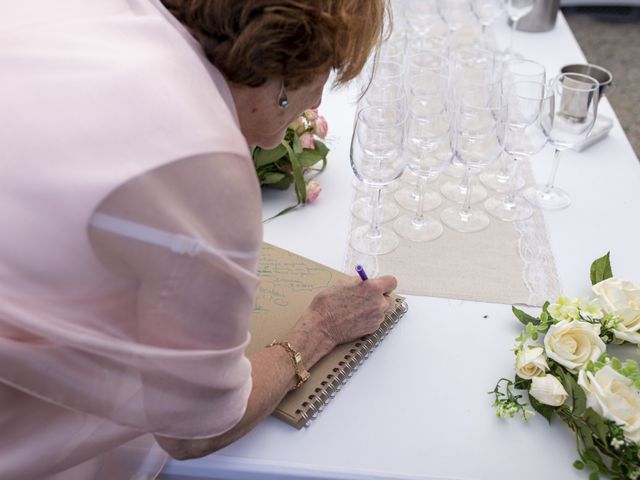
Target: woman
{"type": "Point", "coordinates": [131, 223]}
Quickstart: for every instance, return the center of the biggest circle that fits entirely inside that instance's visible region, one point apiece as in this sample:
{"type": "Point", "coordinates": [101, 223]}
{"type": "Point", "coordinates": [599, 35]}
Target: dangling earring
{"type": "Point", "coordinates": [283, 101]}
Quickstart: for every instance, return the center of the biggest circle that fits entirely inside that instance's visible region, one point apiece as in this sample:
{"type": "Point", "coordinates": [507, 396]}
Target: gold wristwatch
{"type": "Point", "coordinates": [302, 374]}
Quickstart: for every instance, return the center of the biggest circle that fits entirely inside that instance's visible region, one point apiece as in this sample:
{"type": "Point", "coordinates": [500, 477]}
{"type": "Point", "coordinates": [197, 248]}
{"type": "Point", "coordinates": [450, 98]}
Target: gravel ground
{"type": "Point", "coordinates": [612, 40]}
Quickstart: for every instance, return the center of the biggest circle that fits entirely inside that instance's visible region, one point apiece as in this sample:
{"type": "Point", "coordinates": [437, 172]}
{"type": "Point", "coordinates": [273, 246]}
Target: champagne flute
{"type": "Point", "coordinates": [516, 9]}
{"type": "Point", "coordinates": [576, 107]}
{"type": "Point", "coordinates": [377, 160]}
{"type": "Point", "coordinates": [529, 120]}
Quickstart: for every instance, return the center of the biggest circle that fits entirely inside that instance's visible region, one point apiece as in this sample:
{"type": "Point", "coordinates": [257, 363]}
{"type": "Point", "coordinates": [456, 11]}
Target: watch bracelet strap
{"type": "Point", "coordinates": [302, 374]}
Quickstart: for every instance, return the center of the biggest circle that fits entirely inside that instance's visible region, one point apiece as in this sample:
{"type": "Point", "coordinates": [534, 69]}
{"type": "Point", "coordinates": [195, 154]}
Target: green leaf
{"type": "Point", "coordinates": [576, 394]}
{"type": "Point", "coordinates": [579, 400]}
{"type": "Point", "coordinates": [272, 178]}
{"type": "Point", "coordinates": [524, 317]}
{"type": "Point", "coordinates": [309, 158]}
{"type": "Point", "coordinates": [298, 177]}
{"type": "Point", "coordinates": [282, 184]}
{"type": "Point", "coordinates": [321, 148]}
{"type": "Point", "coordinates": [597, 424]}
{"type": "Point", "coordinates": [601, 269]}
{"type": "Point", "coordinates": [297, 145]}
{"type": "Point", "coordinates": [262, 157]}
{"type": "Point", "coordinates": [545, 410]}
{"type": "Point", "coordinates": [594, 458]}
{"type": "Point", "coordinates": [578, 465]}
{"type": "Point", "coordinates": [594, 476]}
{"type": "Point", "coordinates": [521, 383]}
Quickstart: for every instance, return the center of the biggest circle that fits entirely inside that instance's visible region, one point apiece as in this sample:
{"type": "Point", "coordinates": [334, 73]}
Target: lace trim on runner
{"type": "Point", "coordinates": [539, 273]}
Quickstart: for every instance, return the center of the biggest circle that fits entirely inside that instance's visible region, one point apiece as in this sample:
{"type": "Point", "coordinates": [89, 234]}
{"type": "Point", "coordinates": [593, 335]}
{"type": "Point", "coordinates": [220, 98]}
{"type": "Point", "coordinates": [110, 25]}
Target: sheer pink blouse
{"type": "Point", "coordinates": [95, 94]}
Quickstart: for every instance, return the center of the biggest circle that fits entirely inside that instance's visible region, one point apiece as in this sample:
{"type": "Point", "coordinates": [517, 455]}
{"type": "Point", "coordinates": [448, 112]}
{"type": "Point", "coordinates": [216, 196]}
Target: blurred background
{"type": "Point", "coordinates": [608, 32]}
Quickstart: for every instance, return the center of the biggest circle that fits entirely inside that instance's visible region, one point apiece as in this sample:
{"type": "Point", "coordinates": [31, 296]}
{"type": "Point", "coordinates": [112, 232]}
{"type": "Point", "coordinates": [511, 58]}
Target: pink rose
{"type": "Point", "coordinates": [313, 191]}
{"type": "Point", "coordinates": [311, 114]}
{"type": "Point", "coordinates": [299, 125]}
{"type": "Point", "coordinates": [306, 139]}
{"type": "Point", "coordinates": [320, 127]}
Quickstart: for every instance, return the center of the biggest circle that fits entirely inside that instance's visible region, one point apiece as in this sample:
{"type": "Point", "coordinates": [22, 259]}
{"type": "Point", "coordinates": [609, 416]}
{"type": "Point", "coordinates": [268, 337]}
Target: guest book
{"type": "Point", "coordinates": [288, 283]}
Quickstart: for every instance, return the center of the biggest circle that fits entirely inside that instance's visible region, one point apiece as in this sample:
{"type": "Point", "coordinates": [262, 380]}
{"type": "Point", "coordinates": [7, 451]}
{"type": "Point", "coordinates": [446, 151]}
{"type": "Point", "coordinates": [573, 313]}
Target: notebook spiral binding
{"type": "Point", "coordinates": [351, 362]}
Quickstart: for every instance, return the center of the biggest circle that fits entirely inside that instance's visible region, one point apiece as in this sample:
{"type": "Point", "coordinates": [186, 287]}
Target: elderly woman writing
{"type": "Point", "coordinates": [131, 223]}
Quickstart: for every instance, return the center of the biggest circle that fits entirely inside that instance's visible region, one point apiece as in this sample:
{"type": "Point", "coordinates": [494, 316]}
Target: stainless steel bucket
{"type": "Point", "coordinates": [542, 18]}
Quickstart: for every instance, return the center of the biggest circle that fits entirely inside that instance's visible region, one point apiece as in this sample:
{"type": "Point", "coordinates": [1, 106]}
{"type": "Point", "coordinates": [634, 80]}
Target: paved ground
{"type": "Point", "coordinates": [612, 40]}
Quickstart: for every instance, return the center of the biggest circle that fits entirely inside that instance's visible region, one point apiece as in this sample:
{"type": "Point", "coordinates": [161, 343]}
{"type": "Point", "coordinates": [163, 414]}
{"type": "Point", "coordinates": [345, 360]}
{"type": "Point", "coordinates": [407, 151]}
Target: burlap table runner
{"type": "Point", "coordinates": [508, 262]}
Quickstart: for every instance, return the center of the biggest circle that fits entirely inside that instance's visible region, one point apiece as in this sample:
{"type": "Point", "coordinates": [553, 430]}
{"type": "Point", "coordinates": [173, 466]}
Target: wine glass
{"type": "Point", "coordinates": [479, 137]}
{"type": "Point", "coordinates": [576, 107]}
{"type": "Point", "coordinates": [427, 99]}
{"type": "Point", "coordinates": [516, 9]}
{"type": "Point", "coordinates": [514, 70]}
{"type": "Point", "coordinates": [428, 62]}
{"type": "Point", "coordinates": [487, 11]}
{"type": "Point", "coordinates": [386, 89]}
{"type": "Point", "coordinates": [456, 13]}
{"type": "Point", "coordinates": [377, 160]}
{"type": "Point", "coordinates": [471, 67]}
{"type": "Point", "coordinates": [428, 150]}
{"type": "Point", "coordinates": [529, 120]}
{"type": "Point", "coordinates": [423, 17]}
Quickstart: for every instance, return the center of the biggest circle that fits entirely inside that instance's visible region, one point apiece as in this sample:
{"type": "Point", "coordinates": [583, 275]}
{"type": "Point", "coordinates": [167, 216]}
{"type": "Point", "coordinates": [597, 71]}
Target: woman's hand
{"type": "Point", "coordinates": [353, 308]}
{"type": "Point", "coordinates": [341, 313]}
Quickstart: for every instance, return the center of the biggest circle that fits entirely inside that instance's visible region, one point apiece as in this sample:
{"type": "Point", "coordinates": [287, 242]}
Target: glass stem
{"type": "Point", "coordinates": [466, 207]}
{"type": "Point", "coordinates": [552, 177]}
{"type": "Point", "coordinates": [514, 23]}
{"type": "Point", "coordinates": [418, 219]}
{"type": "Point", "coordinates": [504, 174]}
{"type": "Point", "coordinates": [374, 228]}
{"type": "Point", "coordinates": [510, 199]}
{"type": "Point", "coordinates": [465, 182]}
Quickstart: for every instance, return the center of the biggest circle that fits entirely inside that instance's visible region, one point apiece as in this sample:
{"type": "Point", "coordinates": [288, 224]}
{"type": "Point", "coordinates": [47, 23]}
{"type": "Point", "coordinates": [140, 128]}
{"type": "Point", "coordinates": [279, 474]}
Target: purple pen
{"type": "Point", "coordinates": [360, 271]}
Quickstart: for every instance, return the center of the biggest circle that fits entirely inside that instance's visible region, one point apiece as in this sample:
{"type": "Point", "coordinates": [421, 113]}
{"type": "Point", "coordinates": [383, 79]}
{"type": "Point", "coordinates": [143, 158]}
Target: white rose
{"type": "Point", "coordinates": [573, 343]}
{"type": "Point", "coordinates": [531, 362]}
{"type": "Point", "coordinates": [613, 396]}
{"type": "Point", "coordinates": [622, 299]}
{"type": "Point", "coordinates": [548, 390]}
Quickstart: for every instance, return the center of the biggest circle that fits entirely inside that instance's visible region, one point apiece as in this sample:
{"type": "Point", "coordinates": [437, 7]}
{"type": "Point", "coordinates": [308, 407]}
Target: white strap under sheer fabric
{"type": "Point", "coordinates": [177, 243]}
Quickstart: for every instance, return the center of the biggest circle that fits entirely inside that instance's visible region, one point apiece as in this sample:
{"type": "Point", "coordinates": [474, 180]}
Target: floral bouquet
{"type": "Point", "coordinates": [295, 161]}
{"type": "Point", "coordinates": [563, 364]}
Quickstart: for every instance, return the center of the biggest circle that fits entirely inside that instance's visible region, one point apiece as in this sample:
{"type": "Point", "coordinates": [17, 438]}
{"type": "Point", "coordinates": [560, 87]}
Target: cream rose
{"type": "Point", "coordinates": [531, 362]}
{"type": "Point", "coordinates": [613, 396]}
{"type": "Point", "coordinates": [548, 390]}
{"type": "Point", "coordinates": [622, 299]}
{"type": "Point", "coordinates": [573, 343]}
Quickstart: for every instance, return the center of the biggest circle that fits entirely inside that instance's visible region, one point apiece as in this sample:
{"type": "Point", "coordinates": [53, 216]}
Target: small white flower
{"type": "Point", "coordinates": [616, 443]}
{"type": "Point", "coordinates": [565, 309]}
{"type": "Point", "coordinates": [591, 309]}
{"type": "Point", "coordinates": [548, 390]}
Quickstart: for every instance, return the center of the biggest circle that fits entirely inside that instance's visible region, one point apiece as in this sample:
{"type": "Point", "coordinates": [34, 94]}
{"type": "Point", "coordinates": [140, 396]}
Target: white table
{"type": "Point", "coordinates": [418, 408]}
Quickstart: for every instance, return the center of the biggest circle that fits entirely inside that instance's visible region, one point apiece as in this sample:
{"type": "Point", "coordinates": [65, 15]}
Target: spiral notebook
{"type": "Point", "coordinates": [288, 283]}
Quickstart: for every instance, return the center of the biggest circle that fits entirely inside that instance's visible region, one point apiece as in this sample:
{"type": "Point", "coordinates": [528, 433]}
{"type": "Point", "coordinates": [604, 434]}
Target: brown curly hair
{"type": "Point", "coordinates": [251, 41]}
